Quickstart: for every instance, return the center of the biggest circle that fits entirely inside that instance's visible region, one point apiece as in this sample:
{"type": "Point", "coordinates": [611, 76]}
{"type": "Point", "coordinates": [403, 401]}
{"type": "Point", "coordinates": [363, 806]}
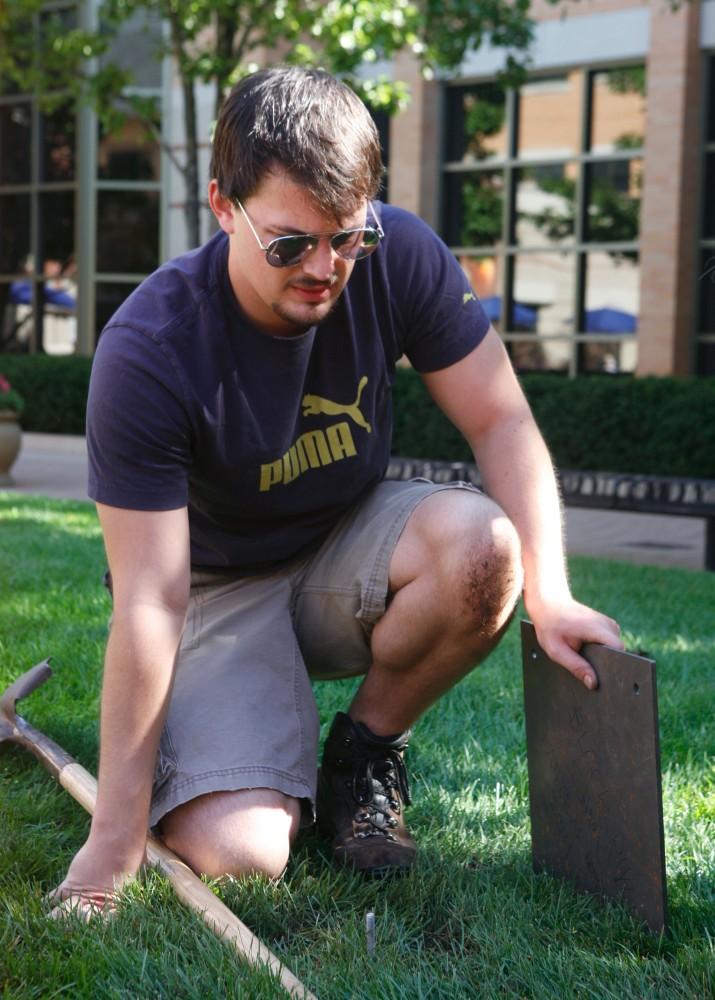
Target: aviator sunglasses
{"type": "Point", "coordinates": [351, 244]}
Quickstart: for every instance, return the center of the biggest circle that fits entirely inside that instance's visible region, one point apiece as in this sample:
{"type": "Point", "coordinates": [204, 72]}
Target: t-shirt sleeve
{"type": "Point", "coordinates": [138, 431]}
{"type": "Point", "coordinates": [440, 317]}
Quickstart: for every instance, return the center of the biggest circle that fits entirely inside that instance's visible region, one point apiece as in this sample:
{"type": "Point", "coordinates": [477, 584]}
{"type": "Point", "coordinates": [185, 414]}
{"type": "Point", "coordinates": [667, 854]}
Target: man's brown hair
{"type": "Point", "coordinates": [306, 122]}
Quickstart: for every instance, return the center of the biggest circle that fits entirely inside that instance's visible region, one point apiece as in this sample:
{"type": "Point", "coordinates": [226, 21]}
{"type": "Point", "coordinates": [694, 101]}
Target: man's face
{"type": "Point", "coordinates": [285, 301]}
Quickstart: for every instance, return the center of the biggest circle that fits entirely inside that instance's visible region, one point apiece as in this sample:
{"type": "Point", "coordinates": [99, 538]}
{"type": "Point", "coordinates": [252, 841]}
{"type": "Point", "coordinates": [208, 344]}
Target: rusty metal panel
{"type": "Point", "coordinates": [594, 776]}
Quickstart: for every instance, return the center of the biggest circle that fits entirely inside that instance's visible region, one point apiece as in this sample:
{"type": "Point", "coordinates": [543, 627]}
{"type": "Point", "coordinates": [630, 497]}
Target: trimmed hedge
{"type": "Point", "coordinates": [54, 390]}
{"type": "Point", "coordinates": [661, 426]}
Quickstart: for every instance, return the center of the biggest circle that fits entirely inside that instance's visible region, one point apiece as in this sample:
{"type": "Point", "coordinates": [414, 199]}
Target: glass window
{"type": "Point", "coordinates": [474, 207]}
{"type": "Point", "coordinates": [475, 123]}
{"type": "Point", "coordinates": [15, 234]}
{"type": "Point", "coordinates": [708, 230]}
{"type": "Point", "coordinates": [618, 109]}
{"type": "Point", "coordinates": [57, 146]}
{"type": "Point", "coordinates": [539, 355]}
{"type": "Point", "coordinates": [127, 231]}
{"type": "Point", "coordinates": [56, 232]}
{"type": "Point", "coordinates": [550, 117]}
{"type": "Point", "coordinates": [545, 204]}
{"type": "Point", "coordinates": [609, 357]}
{"type": "Point", "coordinates": [16, 327]}
{"type": "Point", "coordinates": [706, 285]}
{"type": "Point", "coordinates": [543, 294]}
{"type": "Point", "coordinates": [137, 48]}
{"type": "Point", "coordinates": [711, 102]}
{"type": "Point", "coordinates": [131, 153]}
{"type": "Point", "coordinates": [612, 300]}
{"type": "Point", "coordinates": [15, 133]}
{"type": "Point", "coordinates": [108, 298]}
{"type": "Point", "coordinates": [483, 274]}
{"type": "Point", "coordinates": [706, 358]}
{"type": "Point", "coordinates": [613, 201]}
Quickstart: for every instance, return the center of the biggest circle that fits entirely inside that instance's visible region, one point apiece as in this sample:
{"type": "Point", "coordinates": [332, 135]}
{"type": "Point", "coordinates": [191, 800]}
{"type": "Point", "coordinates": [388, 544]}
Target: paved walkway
{"type": "Point", "coordinates": [52, 465]}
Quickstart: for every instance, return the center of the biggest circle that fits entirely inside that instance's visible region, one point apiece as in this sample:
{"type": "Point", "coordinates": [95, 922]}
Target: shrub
{"type": "Point", "coordinates": [54, 390]}
{"type": "Point", "coordinates": [10, 399]}
{"type": "Point", "coordinates": [662, 426]}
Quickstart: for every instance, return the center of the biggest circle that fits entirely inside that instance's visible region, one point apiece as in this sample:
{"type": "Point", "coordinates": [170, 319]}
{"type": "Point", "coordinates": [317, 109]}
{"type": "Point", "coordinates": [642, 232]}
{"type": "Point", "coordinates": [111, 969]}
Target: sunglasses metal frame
{"type": "Point", "coordinates": [313, 240]}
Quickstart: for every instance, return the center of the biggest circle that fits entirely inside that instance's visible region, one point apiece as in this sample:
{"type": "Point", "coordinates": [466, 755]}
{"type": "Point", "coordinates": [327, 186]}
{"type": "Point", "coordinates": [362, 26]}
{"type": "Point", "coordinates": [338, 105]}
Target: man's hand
{"type": "Point", "coordinates": [563, 626]}
{"type": "Point", "coordinates": [96, 875]}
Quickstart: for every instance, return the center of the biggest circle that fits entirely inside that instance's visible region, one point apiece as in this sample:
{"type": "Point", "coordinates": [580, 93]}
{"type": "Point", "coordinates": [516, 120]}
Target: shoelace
{"type": "Point", "coordinates": [374, 791]}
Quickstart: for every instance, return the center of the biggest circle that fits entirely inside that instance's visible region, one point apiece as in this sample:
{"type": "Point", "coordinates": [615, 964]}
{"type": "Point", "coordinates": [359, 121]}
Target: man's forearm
{"type": "Point", "coordinates": [518, 474]}
{"type": "Point", "coordinates": [137, 681]}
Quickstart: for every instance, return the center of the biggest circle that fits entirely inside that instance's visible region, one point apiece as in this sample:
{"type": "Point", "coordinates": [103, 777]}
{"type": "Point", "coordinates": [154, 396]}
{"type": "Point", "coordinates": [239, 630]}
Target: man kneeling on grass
{"type": "Point", "coordinates": [239, 429]}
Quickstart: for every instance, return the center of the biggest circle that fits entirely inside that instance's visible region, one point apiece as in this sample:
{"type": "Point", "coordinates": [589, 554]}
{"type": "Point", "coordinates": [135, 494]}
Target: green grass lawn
{"type": "Point", "coordinates": [472, 921]}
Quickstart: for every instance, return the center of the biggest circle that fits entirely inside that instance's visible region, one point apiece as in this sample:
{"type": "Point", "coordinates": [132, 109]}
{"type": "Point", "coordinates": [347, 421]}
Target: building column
{"type": "Point", "coordinates": [669, 209]}
{"type": "Point", "coordinates": [415, 144]}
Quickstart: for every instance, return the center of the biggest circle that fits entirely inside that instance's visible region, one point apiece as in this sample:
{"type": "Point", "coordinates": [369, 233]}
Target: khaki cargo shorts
{"type": "Point", "coordinates": [242, 712]}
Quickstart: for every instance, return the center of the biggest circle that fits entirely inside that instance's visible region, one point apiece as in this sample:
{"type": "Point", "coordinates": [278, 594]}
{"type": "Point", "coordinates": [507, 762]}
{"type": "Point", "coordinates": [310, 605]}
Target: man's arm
{"type": "Point", "coordinates": [148, 555]}
{"type": "Point", "coordinates": [482, 397]}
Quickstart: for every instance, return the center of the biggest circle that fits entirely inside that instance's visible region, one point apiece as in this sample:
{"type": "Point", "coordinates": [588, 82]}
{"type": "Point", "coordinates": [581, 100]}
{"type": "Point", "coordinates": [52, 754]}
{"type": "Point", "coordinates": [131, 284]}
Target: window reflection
{"type": "Point", "coordinates": [474, 208]}
{"type": "Point", "coordinates": [545, 204]}
{"type": "Point", "coordinates": [608, 357]}
{"type": "Point", "coordinates": [57, 146]}
{"type": "Point", "coordinates": [127, 231]}
{"type": "Point", "coordinates": [14, 233]}
{"type": "Point", "coordinates": [612, 300]}
{"type": "Point", "coordinates": [614, 201]}
{"type": "Point", "coordinates": [15, 125]}
{"type": "Point", "coordinates": [612, 303]}
{"type": "Point", "coordinates": [543, 293]}
{"type": "Point", "coordinates": [540, 355]}
{"type": "Point", "coordinates": [131, 153]}
{"type": "Point", "coordinates": [618, 109]}
{"type": "Point", "coordinates": [476, 122]}
{"type": "Point", "coordinates": [550, 117]}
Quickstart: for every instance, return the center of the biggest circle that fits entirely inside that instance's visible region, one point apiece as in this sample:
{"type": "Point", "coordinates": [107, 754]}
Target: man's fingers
{"type": "Point", "coordinates": [84, 904]}
{"type": "Point", "coordinates": [575, 664]}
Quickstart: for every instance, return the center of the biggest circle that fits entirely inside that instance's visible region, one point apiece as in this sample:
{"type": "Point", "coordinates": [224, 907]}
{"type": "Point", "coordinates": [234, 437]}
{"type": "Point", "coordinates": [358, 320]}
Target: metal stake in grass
{"type": "Point", "coordinates": [83, 787]}
{"type": "Point", "coordinates": [370, 931]}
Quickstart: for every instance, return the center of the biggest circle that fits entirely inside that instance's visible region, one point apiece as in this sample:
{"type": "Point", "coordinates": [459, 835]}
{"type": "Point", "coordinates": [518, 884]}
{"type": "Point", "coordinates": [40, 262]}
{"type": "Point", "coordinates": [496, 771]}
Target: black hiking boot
{"type": "Point", "coordinates": [362, 788]}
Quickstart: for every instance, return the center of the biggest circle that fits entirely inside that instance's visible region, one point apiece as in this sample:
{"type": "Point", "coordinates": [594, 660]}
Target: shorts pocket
{"type": "Point", "coordinates": [191, 636]}
{"type": "Point", "coordinates": [166, 762]}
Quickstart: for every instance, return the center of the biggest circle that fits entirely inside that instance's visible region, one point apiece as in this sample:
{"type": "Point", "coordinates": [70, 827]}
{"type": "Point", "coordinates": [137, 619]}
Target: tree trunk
{"type": "Point", "coordinates": [192, 204]}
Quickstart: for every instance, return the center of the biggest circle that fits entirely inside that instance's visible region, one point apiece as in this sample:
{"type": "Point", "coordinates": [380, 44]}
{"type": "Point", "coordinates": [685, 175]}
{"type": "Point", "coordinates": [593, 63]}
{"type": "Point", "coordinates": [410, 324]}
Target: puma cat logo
{"type": "Point", "coordinates": [313, 405]}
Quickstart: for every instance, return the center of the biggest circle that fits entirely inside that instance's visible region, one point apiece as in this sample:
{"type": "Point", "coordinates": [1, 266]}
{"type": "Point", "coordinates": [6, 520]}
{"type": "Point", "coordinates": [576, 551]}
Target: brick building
{"type": "Point", "coordinates": [582, 206]}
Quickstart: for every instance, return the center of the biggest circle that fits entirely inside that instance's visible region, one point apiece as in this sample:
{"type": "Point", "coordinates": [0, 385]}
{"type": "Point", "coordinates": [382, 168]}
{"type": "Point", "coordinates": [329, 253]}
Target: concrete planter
{"type": "Point", "coordinates": [10, 441]}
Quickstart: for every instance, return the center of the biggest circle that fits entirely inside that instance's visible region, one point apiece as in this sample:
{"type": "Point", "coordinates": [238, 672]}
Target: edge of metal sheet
{"type": "Point", "coordinates": [595, 793]}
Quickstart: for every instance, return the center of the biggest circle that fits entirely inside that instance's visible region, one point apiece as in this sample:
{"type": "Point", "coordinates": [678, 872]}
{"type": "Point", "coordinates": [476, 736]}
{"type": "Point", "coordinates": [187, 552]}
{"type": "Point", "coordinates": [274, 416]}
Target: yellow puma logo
{"type": "Point", "coordinates": [313, 405]}
{"type": "Point", "coordinates": [467, 297]}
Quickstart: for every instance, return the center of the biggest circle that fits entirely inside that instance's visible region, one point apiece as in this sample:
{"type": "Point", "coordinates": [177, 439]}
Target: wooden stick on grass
{"type": "Point", "coordinates": [82, 786]}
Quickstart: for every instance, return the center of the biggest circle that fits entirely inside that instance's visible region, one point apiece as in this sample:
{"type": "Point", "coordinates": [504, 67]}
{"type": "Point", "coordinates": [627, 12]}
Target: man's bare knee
{"type": "Point", "coordinates": [234, 833]}
{"type": "Point", "coordinates": [493, 577]}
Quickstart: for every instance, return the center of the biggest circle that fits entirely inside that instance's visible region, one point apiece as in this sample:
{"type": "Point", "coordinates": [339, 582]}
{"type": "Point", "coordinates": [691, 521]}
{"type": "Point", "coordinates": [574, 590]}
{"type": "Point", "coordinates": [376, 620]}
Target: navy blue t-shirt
{"type": "Point", "coordinates": [267, 440]}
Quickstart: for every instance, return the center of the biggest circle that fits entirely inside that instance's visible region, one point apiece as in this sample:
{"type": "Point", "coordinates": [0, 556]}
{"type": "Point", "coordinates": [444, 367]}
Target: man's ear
{"type": "Point", "coordinates": [221, 207]}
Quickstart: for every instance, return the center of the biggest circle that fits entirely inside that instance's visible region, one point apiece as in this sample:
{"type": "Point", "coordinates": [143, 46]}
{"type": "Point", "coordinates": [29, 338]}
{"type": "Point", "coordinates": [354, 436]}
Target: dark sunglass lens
{"type": "Point", "coordinates": [288, 250]}
{"type": "Point", "coordinates": [347, 244]}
